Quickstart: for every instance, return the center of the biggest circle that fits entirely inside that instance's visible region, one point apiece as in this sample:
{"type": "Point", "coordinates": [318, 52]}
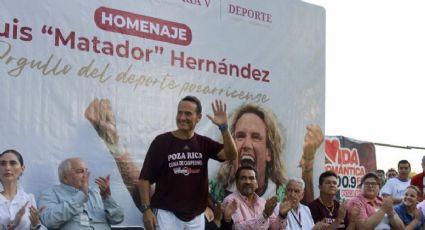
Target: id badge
{"type": "Point", "coordinates": [84, 220]}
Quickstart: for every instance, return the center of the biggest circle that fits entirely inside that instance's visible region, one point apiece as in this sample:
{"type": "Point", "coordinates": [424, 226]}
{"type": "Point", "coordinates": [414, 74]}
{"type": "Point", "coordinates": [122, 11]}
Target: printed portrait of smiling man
{"type": "Point", "coordinates": [260, 142]}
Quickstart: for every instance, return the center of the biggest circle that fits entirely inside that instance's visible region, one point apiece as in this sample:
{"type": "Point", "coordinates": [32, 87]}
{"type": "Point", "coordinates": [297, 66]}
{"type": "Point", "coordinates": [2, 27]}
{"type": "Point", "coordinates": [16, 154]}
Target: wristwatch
{"type": "Point", "coordinates": [144, 207]}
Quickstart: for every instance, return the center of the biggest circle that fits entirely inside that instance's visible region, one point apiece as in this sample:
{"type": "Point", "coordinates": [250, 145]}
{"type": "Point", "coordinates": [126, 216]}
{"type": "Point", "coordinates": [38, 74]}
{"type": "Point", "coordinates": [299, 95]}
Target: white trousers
{"type": "Point", "coordinates": [168, 221]}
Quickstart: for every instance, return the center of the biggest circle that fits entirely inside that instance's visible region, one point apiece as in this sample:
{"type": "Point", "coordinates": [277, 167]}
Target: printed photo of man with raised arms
{"type": "Point", "coordinates": [259, 140]}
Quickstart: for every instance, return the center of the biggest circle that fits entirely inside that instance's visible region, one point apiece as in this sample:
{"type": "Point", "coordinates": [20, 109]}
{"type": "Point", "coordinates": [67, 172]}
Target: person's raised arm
{"type": "Point", "coordinates": [229, 151]}
{"type": "Point", "coordinates": [312, 141]}
{"type": "Point", "coordinates": [102, 118]}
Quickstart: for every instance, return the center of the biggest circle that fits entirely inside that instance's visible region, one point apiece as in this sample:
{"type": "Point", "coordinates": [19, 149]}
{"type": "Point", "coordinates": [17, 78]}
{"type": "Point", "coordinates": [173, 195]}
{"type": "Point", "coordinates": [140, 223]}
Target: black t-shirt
{"type": "Point", "coordinates": [320, 212]}
{"type": "Point", "coordinates": [180, 170]}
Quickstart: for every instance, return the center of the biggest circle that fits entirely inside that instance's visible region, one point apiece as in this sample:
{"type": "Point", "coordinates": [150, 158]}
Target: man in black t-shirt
{"type": "Point", "coordinates": [177, 163]}
{"type": "Point", "coordinates": [326, 208]}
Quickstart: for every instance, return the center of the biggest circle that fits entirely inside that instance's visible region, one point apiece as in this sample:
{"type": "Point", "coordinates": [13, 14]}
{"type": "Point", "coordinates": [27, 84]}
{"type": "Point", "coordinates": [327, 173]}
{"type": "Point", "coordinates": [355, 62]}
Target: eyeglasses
{"type": "Point", "coordinates": [370, 184]}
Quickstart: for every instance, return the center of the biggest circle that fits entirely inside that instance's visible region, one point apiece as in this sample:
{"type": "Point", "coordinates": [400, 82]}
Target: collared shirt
{"type": "Point", "coordinates": [367, 208]}
{"type": "Point", "coordinates": [9, 208]}
{"type": "Point", "coordinates": [270, 189]}
{"type": "Point", "coordinates": [69, 208]}
{"type": "Point", "coordinates": [247, 217]}
{"type": "Point", "coordinates": [219, 193]}
{"type": "Point", "coordinates": [300, 219]}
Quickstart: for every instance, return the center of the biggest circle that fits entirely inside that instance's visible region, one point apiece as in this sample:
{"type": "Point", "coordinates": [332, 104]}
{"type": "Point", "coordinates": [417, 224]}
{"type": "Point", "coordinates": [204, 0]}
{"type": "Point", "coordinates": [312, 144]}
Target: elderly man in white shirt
{"type": "Point", "coordinates": [298, 215]}
{"type": "Point", "coordinates": [73, 204]}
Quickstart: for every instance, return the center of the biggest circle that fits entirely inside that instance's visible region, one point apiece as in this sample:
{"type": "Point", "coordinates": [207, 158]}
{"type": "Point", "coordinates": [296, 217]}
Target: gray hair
{"type": "Point", "coordinates": [64, 167]}
{"type": "Point", "coordinates": [298, 181]}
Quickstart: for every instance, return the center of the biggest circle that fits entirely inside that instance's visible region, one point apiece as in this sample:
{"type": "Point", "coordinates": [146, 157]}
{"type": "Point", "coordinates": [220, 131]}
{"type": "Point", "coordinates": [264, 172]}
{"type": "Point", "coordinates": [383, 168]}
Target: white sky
{"type": "Point", "coordinates": [375, 75]}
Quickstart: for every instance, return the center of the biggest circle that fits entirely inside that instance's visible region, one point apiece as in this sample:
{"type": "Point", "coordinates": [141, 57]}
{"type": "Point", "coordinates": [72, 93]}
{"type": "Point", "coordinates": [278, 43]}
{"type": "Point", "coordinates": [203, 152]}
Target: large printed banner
{"type": "Point", "coordinates": [91, 78]}
{"type": "Point", "coordinates": [350, 159]}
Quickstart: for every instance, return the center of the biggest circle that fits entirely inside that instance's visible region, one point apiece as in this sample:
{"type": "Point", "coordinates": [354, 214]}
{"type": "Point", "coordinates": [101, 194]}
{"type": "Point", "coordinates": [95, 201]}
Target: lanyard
{"type": "Point", "coordinates": [297, 219]}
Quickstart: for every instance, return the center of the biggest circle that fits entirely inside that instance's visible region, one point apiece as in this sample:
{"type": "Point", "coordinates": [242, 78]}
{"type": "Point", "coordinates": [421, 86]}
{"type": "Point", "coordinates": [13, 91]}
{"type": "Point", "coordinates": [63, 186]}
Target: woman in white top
{"type": "Point", "coordinates": [17, 208]}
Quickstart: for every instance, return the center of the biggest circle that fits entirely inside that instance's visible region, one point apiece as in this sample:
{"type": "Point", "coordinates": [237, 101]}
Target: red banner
{"type": "Point", "coordinates": [350, 159]}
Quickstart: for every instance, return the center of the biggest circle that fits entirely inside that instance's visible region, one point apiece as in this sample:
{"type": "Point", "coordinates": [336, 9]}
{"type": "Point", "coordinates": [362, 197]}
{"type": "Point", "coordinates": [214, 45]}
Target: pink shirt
{"type": "Point", "coordinates": [366, 206]}
{"type": "Point", "coordinates": [248, 218]}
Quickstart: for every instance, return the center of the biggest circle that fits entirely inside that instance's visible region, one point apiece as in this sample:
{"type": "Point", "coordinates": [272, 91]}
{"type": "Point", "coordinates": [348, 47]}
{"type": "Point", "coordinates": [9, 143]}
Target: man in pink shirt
{"type": "Point", "coordinates": [254, 212]}
{"type": "Point", "coordinates": [371, 211]}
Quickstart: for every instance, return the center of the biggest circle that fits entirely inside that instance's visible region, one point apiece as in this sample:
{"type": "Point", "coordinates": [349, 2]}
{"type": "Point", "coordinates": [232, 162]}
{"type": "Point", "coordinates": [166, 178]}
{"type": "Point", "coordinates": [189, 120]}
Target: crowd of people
{"type": "Point", "coordinates": [251, 191]}
{"type": "Point", "coordinates": [393, 202]}
{"type": "Point", "coordinates": [377, 206]}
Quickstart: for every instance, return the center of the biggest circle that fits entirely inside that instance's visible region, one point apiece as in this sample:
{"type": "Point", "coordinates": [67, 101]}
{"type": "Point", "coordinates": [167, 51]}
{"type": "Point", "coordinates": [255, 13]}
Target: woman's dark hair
{"type": "Point", "coordinates": [14, 152]}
